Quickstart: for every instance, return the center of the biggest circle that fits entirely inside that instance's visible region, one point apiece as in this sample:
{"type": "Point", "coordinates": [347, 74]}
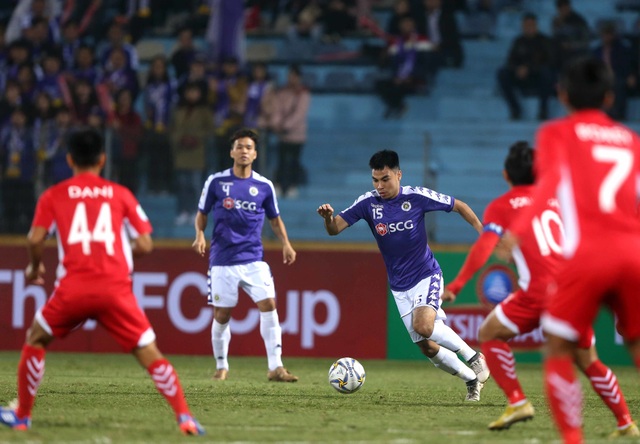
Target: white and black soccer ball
{"type": "Point", "coordinates": [346, 375]}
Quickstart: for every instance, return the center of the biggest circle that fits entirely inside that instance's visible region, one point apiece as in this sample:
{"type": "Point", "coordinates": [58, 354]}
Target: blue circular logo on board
{"type": "Point", "coordinates": [496, 283]}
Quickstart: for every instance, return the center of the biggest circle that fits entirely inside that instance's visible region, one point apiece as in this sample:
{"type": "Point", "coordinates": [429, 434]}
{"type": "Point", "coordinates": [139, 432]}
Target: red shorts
{"type": "Point", "coordinates": [520, 312]}
{"type": "Point", "coordinates": [112, 306]}
{"type": "Point", "coordinates": [604, 274]}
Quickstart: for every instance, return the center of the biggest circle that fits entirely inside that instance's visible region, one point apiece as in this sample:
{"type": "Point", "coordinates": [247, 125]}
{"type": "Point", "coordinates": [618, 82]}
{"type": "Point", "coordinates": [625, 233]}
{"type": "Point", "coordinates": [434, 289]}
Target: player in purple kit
{"type": "Point", "coordinates": [395, 215]}
{"type": "Point", "coordinates": [238, 199]}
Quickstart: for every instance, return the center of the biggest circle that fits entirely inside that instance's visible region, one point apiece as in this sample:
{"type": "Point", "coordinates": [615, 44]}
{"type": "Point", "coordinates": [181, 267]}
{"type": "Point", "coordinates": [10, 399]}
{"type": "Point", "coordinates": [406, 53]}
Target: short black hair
{"type": "Point", "coordinates": [242, 133]}
{"type": "Point", "coordinates": [561, 3]}
{"type": "Point", "coordinates": [384, 158]}
{"type": "Point", "coordinates": [85, 147]}
{"type": "Point", "coordinates": [586, 80]}
{"type": "Point", "coordinates": [529, 16]}
{"type": "Point", "coordinates": [519, 164]}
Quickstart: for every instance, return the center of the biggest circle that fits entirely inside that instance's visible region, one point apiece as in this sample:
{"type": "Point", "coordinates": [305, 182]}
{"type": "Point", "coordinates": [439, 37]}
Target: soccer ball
{"type": "Point", "coordinates": [346, 375]}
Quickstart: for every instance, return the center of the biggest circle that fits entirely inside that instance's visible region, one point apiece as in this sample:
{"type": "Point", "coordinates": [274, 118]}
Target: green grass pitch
{"type": "Point", "coordinates": [105, 398]}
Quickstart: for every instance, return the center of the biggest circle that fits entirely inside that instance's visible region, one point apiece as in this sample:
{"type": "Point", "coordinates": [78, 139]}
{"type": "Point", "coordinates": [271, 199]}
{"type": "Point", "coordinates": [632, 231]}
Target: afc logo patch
{"type": "Point", "coordinates": [228, 203]}
{"type": "Point", "coordinates": [382, 229]}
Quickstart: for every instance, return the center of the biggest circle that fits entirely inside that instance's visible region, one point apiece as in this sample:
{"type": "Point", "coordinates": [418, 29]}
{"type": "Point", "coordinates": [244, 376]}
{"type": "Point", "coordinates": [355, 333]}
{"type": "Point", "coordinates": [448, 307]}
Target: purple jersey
{"type": "Point", "coordinates": [398, 227]}
{"type": "Point", "coordinates": [238, 207]}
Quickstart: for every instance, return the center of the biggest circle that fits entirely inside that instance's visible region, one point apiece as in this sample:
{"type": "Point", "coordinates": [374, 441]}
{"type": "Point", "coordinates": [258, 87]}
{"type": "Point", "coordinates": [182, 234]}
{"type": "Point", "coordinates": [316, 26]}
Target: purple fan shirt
{"type": "Point", "coordinates": [398, 226]}
{"type": "Point", "coordinates": [238, 207]}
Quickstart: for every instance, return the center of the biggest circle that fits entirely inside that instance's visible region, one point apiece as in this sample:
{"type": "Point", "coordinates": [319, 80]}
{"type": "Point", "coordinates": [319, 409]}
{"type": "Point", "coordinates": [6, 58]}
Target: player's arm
{"type": "Point", "coordinates": [35, 246]}
{"type": "Point", "coordinates": [479, 254]}
{"type": "Point", "coordinates": [200, 243]}
{"type": "Point", "coordinates": [333, 224]}
{"type": "Point", "coordinates": [142, 245]}
{"type": "Point", "coordinates": [288, 253]}
{"type": "Point", "coordinates": [467, 214]}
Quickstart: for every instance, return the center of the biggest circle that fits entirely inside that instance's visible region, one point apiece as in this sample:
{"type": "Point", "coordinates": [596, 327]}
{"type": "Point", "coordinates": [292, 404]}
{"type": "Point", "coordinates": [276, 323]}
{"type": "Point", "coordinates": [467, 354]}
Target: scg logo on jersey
{"type": "Point", "coordinates": [403, 225]}
{"type": "Point", "coordinates": [230, 203]}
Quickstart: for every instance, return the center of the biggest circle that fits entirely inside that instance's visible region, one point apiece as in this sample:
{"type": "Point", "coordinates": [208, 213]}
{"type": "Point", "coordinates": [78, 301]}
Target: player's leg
{"type": "Point", "coordinates": [605, 384]}
{"type": "Point", "coordinates": [516, 314]}
{"type": "Point", "coordinates": [433, 287]}
{"type": "Point", "coordinates": [257, 281]}
{"type": "Point", "coordinates": [222, 285]}
{"type": "Point", "coordinates": [30, 374]}
{"type": "Point", "coordinates": [117, 310]}
{"type": "Point", "coordinates": [220, 339]}
{"type": "Point", "coordinates": [562, 387]}
{"type": "Point", "coordinates": [168, 385]}
{"type": "Point", "coordinates": [419, 313]}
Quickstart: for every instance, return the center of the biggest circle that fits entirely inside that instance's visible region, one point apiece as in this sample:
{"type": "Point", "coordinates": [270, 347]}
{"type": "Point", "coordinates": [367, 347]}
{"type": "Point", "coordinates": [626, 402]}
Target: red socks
{"type": "Point", "coordinates": [503, 369]}
{"type": "Point", "coordinates": [565, 397]}
{"type": "Point", "coordinates": [30, 373]}
{"type": "Point", "coordinates": [166, 380]}
{"type": "Point", "coordinates": [605, 384]}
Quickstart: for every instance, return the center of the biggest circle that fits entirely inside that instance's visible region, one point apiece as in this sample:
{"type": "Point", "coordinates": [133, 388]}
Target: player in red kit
{"type": "Point", "coordinates": [99, 226]}
{"type": "Point", "coordinates": [537, 258]}
{"type": "Point", "coordinates": [592, 165]}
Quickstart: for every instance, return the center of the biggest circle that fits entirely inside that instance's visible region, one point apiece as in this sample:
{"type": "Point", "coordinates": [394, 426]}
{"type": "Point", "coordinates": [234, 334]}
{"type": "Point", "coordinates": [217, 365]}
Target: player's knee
{"type": "Point", "coordinates": [423, 328]}
{"type": "Point", "coordinates": [38, 337]}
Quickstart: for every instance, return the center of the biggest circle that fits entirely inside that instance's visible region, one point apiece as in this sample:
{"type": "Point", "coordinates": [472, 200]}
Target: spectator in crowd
{"type": "Point", "coordinates": [197, 74]}
{"type": "Point", "coordinates": [338, 19]}
{"type": "Point", "coordinates": [401, 9]}
{"type": "Point", "coordinates": [117, 75]}
{"type": "Point", "coordinates": [37, 35]}
{"type": "Point", "coordinates": [84, 67]}
{"type": "Point", "coordinates": [52, 78]}
{"type": "Point", "coordinates": [117, 40]}
{"type": "Point", "coordinates": [26, 78]}
{"type": "Point", "coordinates": [158, 97]}
{"type": "Point", "coordinates": [56, 168]}
{"type": "Point", "coordinates": [529, 68]}
{"type": "Point", "coordinates": [85, 101]}
{"type": "Point", "coordinates": [184, 54]}
{"type": "Point", "coordinates": [4, 56]}
{"type": "Point", "coordinates": [11, 99]}
{"type": "Point", "coordinates": [304, 34]}
{"type": "Point", "coordinates": [128, 130]}
{"type": "Point", "coordinates": [18, 54]}
{"type": "Point", "coordinates": [228, 93]}
{"type": "Point", "coordinates": [17, 172]}
{"type": "Point", "coordinates": [97, 119]}
{"type": "Point", "coordinates": [259, 110]}
{"type": "Point", "coordinates": [290, 125]}
{"type": "Point", "coordinates": [616, 53]}
{"type": "Point", "coordinates": [43, 127]}
{"type": "Point", "coordinates": [441, 29]}
{"type": "Point", "coordinates": [38, 11]}
{"type": "Point", "coordinates": [408, 70]}
{"type": "Point", "coordinates": [571, 33]}
{"type": "Point", "coordinates": [190, 130]}
{"type": "Point", "coordinates": [70, 43]}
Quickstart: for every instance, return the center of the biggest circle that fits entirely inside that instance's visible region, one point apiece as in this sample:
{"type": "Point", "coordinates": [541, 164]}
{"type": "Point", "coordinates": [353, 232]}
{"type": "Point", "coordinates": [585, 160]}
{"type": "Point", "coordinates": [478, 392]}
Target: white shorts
{"type": "Point", "coordinates": [255, 278]}
{"type": "Point", "coordinates": [426, 293]}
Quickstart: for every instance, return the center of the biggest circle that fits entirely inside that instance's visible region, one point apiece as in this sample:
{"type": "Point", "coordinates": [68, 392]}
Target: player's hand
{"type": "Point", "coordinates": [448, 295]}
{"type": "Point", "coordinates": [325, 211]}
{"type": "Point", "coordinates": [505, 246]}
{"type": "Point", "coordinates": [200, 245]}
{"type": "Point", "coordinates": [34, 276]}
{"type": "Point", "coordinates": [288, 254]}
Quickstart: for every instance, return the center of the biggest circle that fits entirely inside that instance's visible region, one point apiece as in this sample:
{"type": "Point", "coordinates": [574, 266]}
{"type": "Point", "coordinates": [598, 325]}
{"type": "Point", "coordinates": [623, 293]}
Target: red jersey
{"type": "Point", "coordinates": [591, 163]}
{"type": "Point", "coordinates": [539, 253]}
{"type": "Point", "coordinates": [93, 219]}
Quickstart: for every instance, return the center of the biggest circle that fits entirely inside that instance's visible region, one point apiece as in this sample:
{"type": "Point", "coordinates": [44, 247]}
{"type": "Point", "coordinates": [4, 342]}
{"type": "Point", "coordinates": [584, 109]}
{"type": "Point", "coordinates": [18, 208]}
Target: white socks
{"type": "Point", "coordinates": [272, 336]}
{"type": "Point", "coordinates": [448, 361]}
{"type": "Point", "coordinates": [220, 338]}
{"type": "Point", "coordinates": [444, 336]}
